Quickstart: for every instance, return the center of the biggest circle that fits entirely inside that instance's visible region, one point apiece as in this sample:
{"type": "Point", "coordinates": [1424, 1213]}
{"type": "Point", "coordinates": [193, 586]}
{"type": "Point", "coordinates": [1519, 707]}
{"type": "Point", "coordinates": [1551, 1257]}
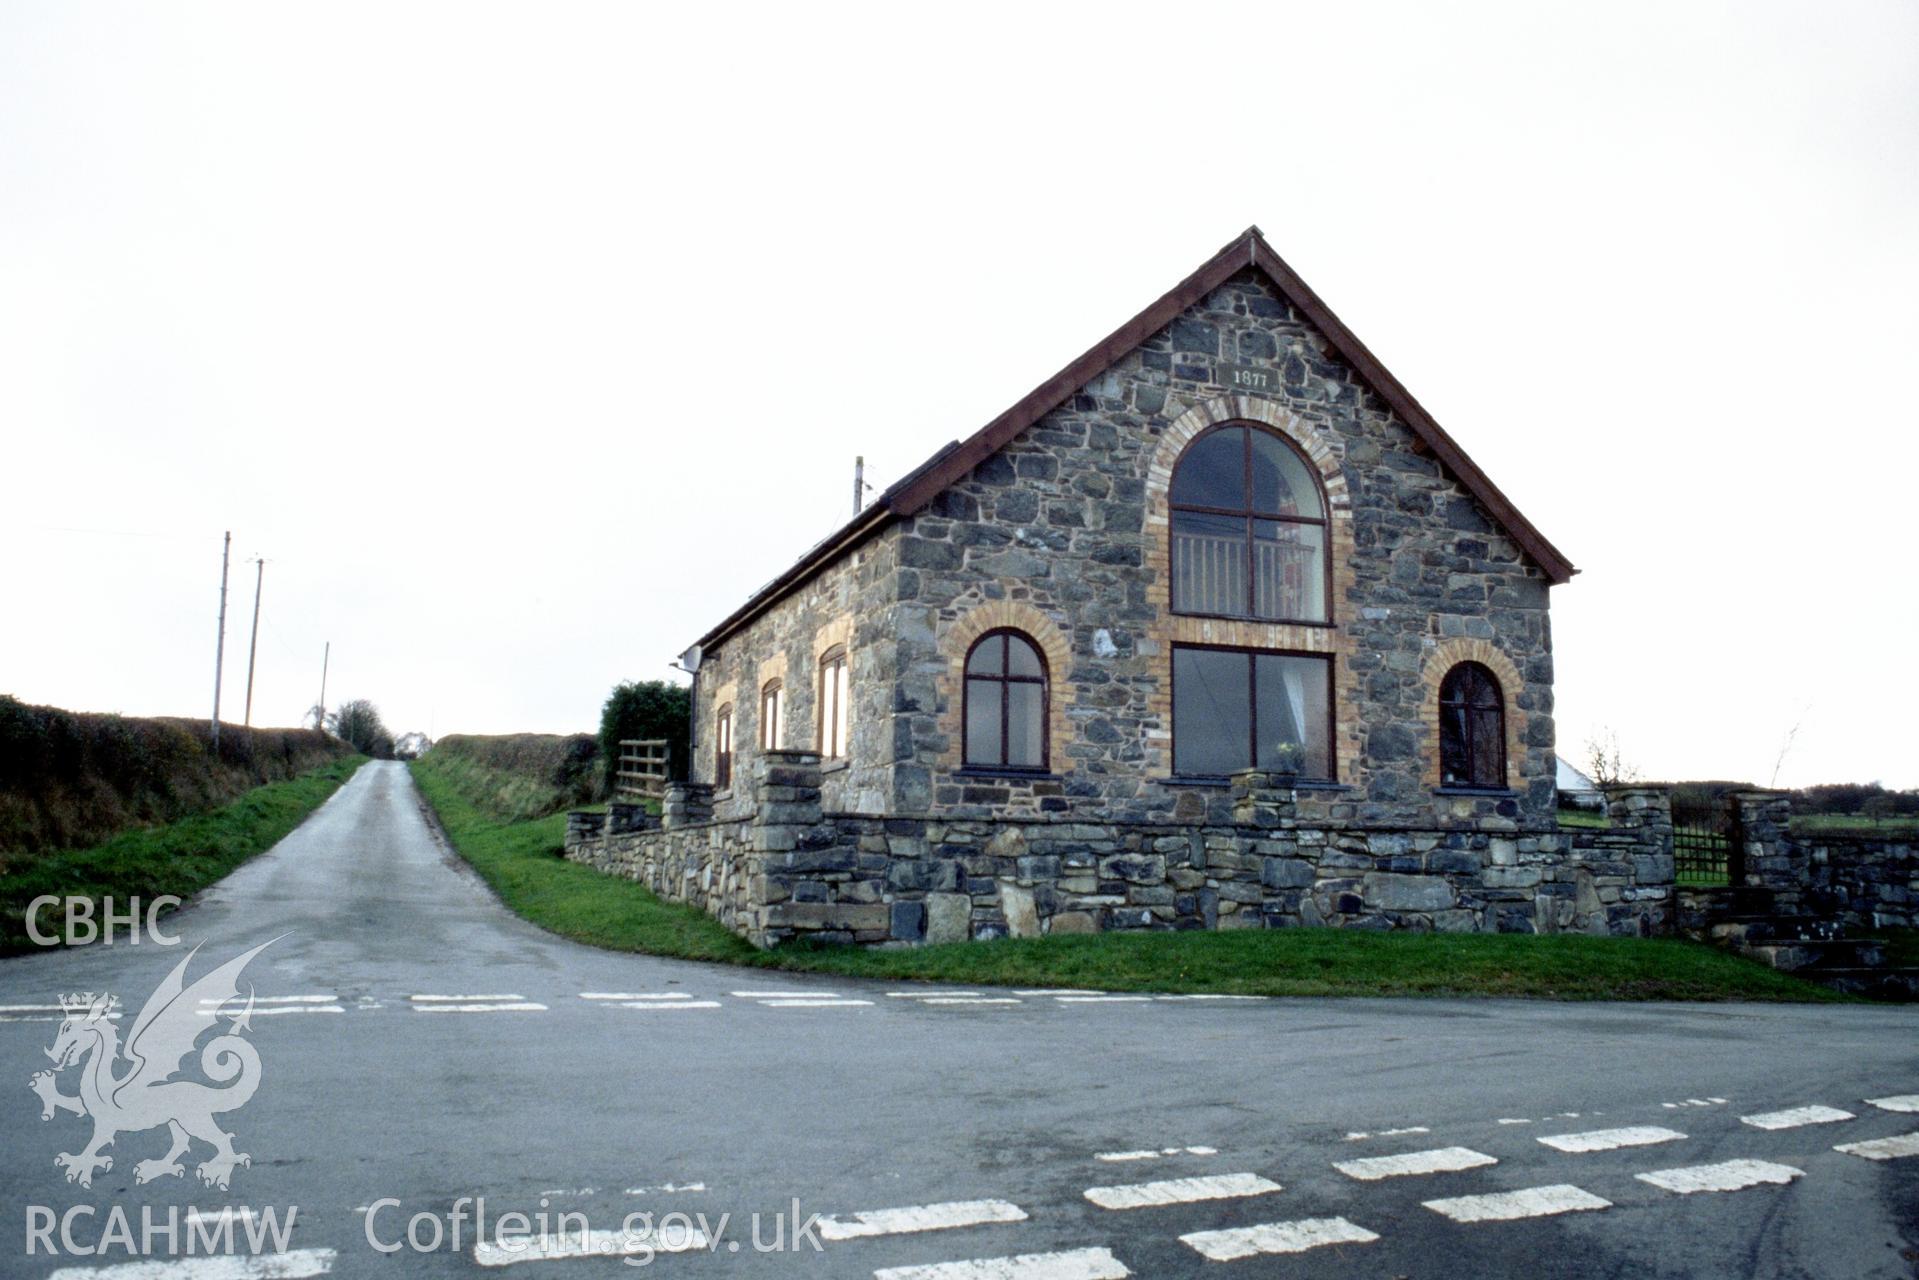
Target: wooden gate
{"type": "Point", "coordinates": [642, 771]}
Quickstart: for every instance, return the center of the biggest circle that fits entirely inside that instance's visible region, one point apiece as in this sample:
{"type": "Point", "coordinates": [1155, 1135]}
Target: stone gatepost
{"type": "Point", "coordinates": [786, 798]}
{"type": "Point", "coordinates": [1645, 812]}
{"type": "Point", "coordinates": [1264, 799]}
{"type": "Point", "coordinates": [686, 804]}
{"type": "Point", "coordinates": [1772, 860]}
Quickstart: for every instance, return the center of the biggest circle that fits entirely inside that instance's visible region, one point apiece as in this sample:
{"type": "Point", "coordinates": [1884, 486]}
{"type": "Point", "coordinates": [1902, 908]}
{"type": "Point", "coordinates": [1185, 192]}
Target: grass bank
{"type": "Point", "coordinates": [515, 777]}
{"type": "Point", "coordinates": [521, 861]}
{"type": "Point", "coordinates": [180, 859]}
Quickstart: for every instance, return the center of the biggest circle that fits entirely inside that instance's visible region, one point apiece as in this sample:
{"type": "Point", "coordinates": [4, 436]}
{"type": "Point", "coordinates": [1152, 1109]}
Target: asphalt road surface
{"type": "Point", "coordinates": [421, 1048]}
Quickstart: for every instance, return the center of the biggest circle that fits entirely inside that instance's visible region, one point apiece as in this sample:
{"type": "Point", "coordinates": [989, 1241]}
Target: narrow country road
{"type": "Point", "coordinates": [420, 1045]}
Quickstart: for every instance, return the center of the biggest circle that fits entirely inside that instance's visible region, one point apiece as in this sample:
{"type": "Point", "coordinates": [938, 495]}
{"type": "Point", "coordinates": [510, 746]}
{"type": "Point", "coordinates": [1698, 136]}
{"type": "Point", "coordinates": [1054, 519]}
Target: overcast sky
{"type": "Point", "coordinates": [524, 342]}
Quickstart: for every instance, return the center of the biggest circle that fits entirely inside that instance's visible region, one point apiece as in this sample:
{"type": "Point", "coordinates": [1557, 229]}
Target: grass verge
{"type": "Point", "coordinates": [181, 858]}
{"type": "Point", "coordinates": [521, 861]}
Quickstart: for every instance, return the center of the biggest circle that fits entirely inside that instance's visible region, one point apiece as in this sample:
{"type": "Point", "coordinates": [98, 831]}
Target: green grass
{"type": "Point", "coordinates": [521, 861]}
{"type": "Point", "coordinates": [181, 858]}
{"type": "Point", "coordinates": [1583, 818]}
{"type": "Point", "coordinates": [1902, 947]}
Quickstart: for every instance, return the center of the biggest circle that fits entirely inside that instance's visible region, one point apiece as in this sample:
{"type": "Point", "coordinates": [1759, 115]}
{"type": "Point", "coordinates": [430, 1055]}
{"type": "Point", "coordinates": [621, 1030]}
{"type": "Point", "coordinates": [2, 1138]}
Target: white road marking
{"type": "Point", "coordinates": [1115, 1156]}
{"type": "Point", "coordinates": [1903, 1102]}
{"type": "Point", "coordinates": [667, 1187]}
{"type": "Point", "coordinates": [1073, 1264]}
{"type": "Point", "coordinates": [1102, 999]}
{"type": "Point", "coordinates": [1796, 1117]}
{"type": "Point", "coordinates": [1276, 1237]}
{"type": "Point", "coordinates": [1893, 1148]}
{"type": "Point", "coordinates": [1728, 1175]}
{"type": "Point", "coordinates": [1644, 1135]}
{"type": "Point", "coordinates": [1718, 1102]}
{"type": "Point", "coordinates": [1387, 1133]}
{"type": "Point", "coordinates": [972, 1000]}
{"type": "Point", "coordinates": [1208, 995]}
{"type": "Point", "coordinates": [920, 1217]}
{"type": "Point", "coordinates": [31, 1008]}
{"type": "Point", "coordinates": [510, 995]}
{"type": "Point", "coordinates": [1440, 1160]}
{"type": "Point", "coordinates": [260, 1000]}
{"type": "Point", "coordinates": [661, 1004]}
{"type": "Point", "coordinates": [1508, 1120]}
{"type": "Point", "coordinates": [813, 1004]}
{"type": "Point", "coordinates": [784, 995]}
{"type": "Point", "coordinates": [232, 1012]}
{"type": "Point", "coordinates": [922, 995]}
{"type": "Point", "coordinates": [511, 1007]}
{"type": "Point", "coordinates": [1507, 1206]}
{"type": "Point", "coordinates": [294, 1264]}
{"type": "Point", "coordinates": [634, 995]}
{"type": "Point", "coordinates": [591, 1244]}
{"type": "Point", "coordinates": [1143, 1195]}
{"type": "Point", "coordinates": [1057, 991]}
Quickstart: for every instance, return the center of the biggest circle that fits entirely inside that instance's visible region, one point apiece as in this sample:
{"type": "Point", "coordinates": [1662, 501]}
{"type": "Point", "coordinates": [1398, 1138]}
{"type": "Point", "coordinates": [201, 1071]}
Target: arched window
{"type": "Point", "coordinates": [723, 748]}
{"type": "Point", "coordinates": [772, 713]}
{"type": "Point", "coordinates": [833, 710]}
{"type": "Point", "coordinates": [1005, 709]}
{"type": "Point", "coordinates": [1472, 728]}
{"type": "Point", "coordinates": [1248, 529]}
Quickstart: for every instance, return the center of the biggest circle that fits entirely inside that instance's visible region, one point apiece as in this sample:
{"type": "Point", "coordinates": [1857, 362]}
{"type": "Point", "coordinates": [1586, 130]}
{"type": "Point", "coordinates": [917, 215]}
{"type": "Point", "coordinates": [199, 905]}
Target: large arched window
{"type": "Point", "coordinates": [1248, 529]}
{"type": "Point", "coordinates": [1472, 728]}
{"type": "Point", "coordinates": [1005, 709]}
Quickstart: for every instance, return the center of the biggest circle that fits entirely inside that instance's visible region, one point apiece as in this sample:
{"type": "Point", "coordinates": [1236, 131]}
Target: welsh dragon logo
{"type": "Point", "coordinates": [130, 1088]}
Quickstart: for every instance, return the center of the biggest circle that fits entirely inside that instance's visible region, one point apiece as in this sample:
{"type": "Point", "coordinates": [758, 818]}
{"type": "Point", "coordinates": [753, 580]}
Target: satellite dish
{"type": "Point", "coordinates": [690, 660]}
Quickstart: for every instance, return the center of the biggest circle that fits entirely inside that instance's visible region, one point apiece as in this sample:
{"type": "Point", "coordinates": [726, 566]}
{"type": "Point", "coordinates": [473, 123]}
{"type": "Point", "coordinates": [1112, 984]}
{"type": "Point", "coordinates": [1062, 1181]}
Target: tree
{"type": "Point", "coordinates": [358, 723]}
{"type": "Point", "coordinates": [1607, 762]}
{"type": "Point", "coordinates": [648, 709]}
{"type": "Point", "coordinates": [411, 746]}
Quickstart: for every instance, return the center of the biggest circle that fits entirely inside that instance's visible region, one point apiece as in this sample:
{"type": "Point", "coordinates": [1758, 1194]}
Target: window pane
{"type": "Point", "coordinates": [1454, 766]}
{"type": "Point", "coordinates": [1021, 658]}
{"type": "Point", "coordinates": [1282, 486]}
{"type": "Point", "coordinates": [1025, 725]}
{"type": "Point", "coordinates": [1209, 563]}
{"type": "Point", "coordinates": [1212, 711]}
{"type": "Point", "coordinates": [1289, 576]}
{"type": "Point", "coordinates": [983, 722]}
{"type": "Point", "coordinates": [1293, 702]}
{"type": "Point", "coordinates": [1486, 771]}
{"type": "Point", "coordinates": [845, 714]}
{"type": "Point", "coordinates": [1212, 471]}
{"type": "Point", "coordinates": [988, 657]}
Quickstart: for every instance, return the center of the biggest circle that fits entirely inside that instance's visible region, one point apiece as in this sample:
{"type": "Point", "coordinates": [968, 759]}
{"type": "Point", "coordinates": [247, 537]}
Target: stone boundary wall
{"type": "Point", "coordinates": [790, 870]}
{"type": "Point", "coordinates": [1868, 882]}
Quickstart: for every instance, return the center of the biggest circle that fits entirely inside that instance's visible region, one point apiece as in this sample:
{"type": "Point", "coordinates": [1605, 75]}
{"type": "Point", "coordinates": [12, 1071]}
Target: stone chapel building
{"type": "Point", "coordinates": [1220, 574]}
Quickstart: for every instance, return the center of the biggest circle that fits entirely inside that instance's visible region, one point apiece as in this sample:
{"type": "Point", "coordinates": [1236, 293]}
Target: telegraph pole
{"type": "Point", "coordinates": [326, 656]}
{"type": "Point", "coordinates": [220, 645]}
{"type": "Point", "coordinates": [859, 484]}
{"type": "Point", "coordinates": [259, 580]}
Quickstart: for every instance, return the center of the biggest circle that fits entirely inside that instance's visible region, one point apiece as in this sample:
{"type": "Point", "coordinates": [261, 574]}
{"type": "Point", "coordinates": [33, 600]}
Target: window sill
{"type": "Point", "coordinates": [718, 796]}
{"type": "Point", "coordinates": [1223, 780]}
{"type": "Point", "coordinates": [836, 766]}
{"type": "Point", "coordinates": [1258, 622]}
{"type": "Point", "coordinates": [1483, 793]}
{"type": "Point", "coordinates": [1008, 775]}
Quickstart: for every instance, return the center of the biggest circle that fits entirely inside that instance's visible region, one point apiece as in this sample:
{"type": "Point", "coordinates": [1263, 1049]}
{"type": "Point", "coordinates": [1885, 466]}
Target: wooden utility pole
{"type": "Point", "coordinates": [220, 645]}
{"type": "Point", "coordinates": [259, 580]}
{"type": "Point", "coordinates": [326, 656]}
{"type": "Point", "coordinates": [859, 484]}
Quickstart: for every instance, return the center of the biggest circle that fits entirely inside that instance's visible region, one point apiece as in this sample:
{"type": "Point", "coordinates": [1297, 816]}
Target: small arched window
{"type": "Point", "coordinates": [1248, 529]}
{"type": "Point", "coordinates": [1472, 728]}
{"type": "Point", "coordinates": [833, 690]}
{"type": "Point", "coordinates": [772, 714]}
{"type": "Point", "coordinates": [1005, 708]}
{"type": "Point", "coordinates": [723, 748]}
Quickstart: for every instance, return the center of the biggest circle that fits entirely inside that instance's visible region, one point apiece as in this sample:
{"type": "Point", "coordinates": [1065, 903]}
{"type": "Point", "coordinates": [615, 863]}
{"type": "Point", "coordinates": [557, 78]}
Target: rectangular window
{"type": "Point", "coordinates": [772, 705]}
{"type": "Point", "coordinates": [833, 708]}
{"type": "Point", "coordinates": [1236, 709]}
{"type": "Point", "coordinates": [723, 750]}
